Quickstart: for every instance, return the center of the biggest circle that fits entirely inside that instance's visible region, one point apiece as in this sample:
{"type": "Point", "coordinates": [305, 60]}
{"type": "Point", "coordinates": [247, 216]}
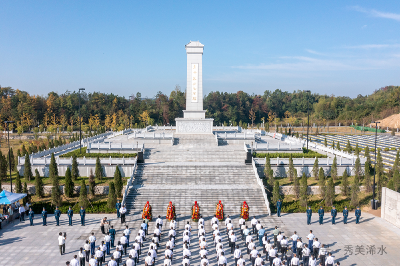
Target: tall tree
{"type": "Point", "coordinates": [92, 184]}
{"type": "Point", "coordinates": [38, 185]}
{"type": "Point", "coordinates": [118, 181]}
{"type": "Point", "coordinates": [366, 154]}
{"type": "Point", "coordinates": [112, 197]}
{"type": "Point", "coordinates": [357, 150]}
{"type": "Point", "coordinates": [355, 190]}
{"type": "Point", "coordinates": [334, 170]}
{"type": "Point", "coordinates": [357, 169]}
{"type": "Point", "coordinates": [55, 191]}
{"type": "Point", "coordinates": [380, 176]}
{"type": "Point", "coordinates": [69, 185]}
{"type": "Point", "coordinates": [315, 169]}
{"type": "Point", "coordinates": [330, 192]}
{"type": "Point", "coordinates": [74, 168]}
{"type": "Point", "coordinates": [83, 200]}
{"type": "Point", "coordinates": [367, 177]}
{"type": "Point", "coordinates": [18, 184]}
{"type": "Point", "coordinates": [98, 170]}
{"type": "Point", "coordinates": [345, 183]}
{"type": "Point", "coordinates": [53, 169]}
{"type": "Point", "coordinates": [25, 191]}
{"type": "Point", "coordinates": [338, 146]}
{"type": "Point", "coordinates": [348, 146]}
{"type": "Point", "coordinates": [321, 182]}
{"type": "Point", "coordinates": [27, 169]}
{"type": "Point", "coordinates": [275, 192]}
{"type": "Point", "coordinates": [333, 144]}
{"type": "Point", "coordinates": [303, 190]}
{"type": "Point", "coordinates": [13, 164]}
{"type": "Point", "coordinates": [325, 143]}
{"type": "Point", "coordinates": [291, 168]}
{"type": "Point", "coordinates": [296, 187]}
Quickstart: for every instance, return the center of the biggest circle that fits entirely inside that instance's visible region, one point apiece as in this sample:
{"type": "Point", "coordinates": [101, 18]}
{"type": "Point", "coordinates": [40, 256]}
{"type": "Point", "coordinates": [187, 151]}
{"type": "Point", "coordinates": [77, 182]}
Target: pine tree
{"type": "Point", "coordinates": [23, 150]}
{"type": "Point", "coordinates": [381, 180]}
{"type": "Point", "coordinates": [338, 146]}
{"type": "Point", "coordinates": [303, 190]}
{"type": "Point", "coordinates": [53, 170]}
{"type": "Point", "coordinates": [334, 169]}
{"type": "Point", "coordinates": [345, 183]}
{"type": "Point", "coordinates": [74, 170]}
{"type": "Point", "coordinates": [98, 170]}
{"type": "Point", "coordinates": [27, 169]}
{"type": "Point", "coordinates": [83, 200]}
{"type": "Point", "coordinates": [3, 166]}
{"type": "Point", "coordinates": [296, 187]}
{"type": "Point", "coordinates": [55, 192]}
{"type": "Point", "coordinates": [355, 190]}
{"type": "Point", "coordinates": [69, 185]}
{"type": "Point", "coordinates": [325, 143]}
{"type": "Point", "coordinates": [330, 192]}
{"type": "Point", "coordinates": [38, 184]}
{"type": "Point", "coordinates": [18, 184]}
{"type": "Point", "coordinates": [366, 154]}
{"type": "Point", "coordinates": [315, 169]}
{"type": "Point", "coordinates": [118, 182]}
{"type": "Point", "coordinates": [25, 191]}
{"type": "Point", "coordinates": [357, 169]}
{"type": "Point", "coordinates": [348, 146]}
{"type": "Point", "coordinates": [13, 165]}
{"type": "Point", "coordinates": [92, 184]}
{"type": "Point", "coordinates": [271, 180]}
{"type": "Point", "coordinates": [291, 168]}
{"type": "Point", "coordinates": [396, 180]}
{"type": "Point", "coordinates": [367, 177]}
{"type": "Point", "coordinates": [275, 192]}
{"type": "Point", "coordinates": [333, 144]}
{"type": "Point", "coordinates": [0, 185]}
{"type": "Point", "coordinates": [321, 182]}
{"type": "Point", "coordinates": [357, 150]}
{"type": "Point", "coordinates": [112, 198]}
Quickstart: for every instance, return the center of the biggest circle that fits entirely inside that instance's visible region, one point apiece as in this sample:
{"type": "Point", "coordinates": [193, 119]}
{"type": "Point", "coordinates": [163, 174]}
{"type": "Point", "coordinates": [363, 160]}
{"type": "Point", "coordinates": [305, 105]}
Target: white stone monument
{"type": "Point", "coordinates": [194, 121]}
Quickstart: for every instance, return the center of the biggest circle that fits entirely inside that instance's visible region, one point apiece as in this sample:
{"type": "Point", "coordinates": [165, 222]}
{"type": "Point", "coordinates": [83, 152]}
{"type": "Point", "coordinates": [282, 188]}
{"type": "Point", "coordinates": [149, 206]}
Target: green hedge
{"type": "Point", "coordinates": [95, 155]}
{"type": "Point", "coordinates": [98, 207]}
{"type": "Point", "coordinates": [372, 129]}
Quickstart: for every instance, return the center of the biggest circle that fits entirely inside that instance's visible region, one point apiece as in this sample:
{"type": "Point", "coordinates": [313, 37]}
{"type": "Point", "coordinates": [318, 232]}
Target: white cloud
{"type": "Point", "coordinates": [364, 26]}
{"type": "Point", "coordinates": [373, 46]}
{"type": "Point", "coordinates": [376, 13]}
{"type": "Point", "coordinates": [314, 52]}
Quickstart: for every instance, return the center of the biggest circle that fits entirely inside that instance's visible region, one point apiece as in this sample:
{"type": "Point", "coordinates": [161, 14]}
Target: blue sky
{"type": "Point", "coordinates": [123, 47]}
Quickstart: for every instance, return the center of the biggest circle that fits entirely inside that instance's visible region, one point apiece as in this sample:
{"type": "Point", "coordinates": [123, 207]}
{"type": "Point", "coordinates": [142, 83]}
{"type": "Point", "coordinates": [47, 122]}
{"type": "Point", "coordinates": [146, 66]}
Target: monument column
{"type": "Point", "coordinates": [194, 121]}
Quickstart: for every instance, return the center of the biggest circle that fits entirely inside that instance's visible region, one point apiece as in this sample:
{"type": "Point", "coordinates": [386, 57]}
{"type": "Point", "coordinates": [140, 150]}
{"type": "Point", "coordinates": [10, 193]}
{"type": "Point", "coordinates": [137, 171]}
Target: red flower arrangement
{"type": "Point", "coordinates": [244, 211]}
{"type": "Point", "coordinates": [195, 212]}
{"type": "Point", "coordinates": [171, 211]}
{"type": "Point", "coordinates": [146, 214]}
{"type": "Point", "coordinates": [219, 211]}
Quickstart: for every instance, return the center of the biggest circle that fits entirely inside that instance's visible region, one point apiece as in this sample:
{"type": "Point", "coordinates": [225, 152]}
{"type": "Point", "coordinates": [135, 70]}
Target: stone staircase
{"type": "Point", "coordinates": [195, 169]}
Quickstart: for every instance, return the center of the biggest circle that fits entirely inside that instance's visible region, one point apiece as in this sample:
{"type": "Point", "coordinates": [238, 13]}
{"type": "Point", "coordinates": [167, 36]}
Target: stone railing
{"type": "Point", "coordinates": [237, 136]}
{"type": "Point", "coordinates": [129, 184]}
{"type": "Point", "coordinates": [277, 147]}
{"type": "Point", "coordinates": [81, 161]}
{"type": "Point", "coordinates": [150, 135]}
{"type": "Point", "coordinates": [122, 132]}
{"type": "Point", "coordinates": [227, 128]}
{"type": "Point", "coordinates": [310, 161]}
{"type": "Point", "coordinates": [260, 183]}
{"type": "Point", "coordinates": [115, 146]}
{"type": "Point", "coordinates": [277, 136]}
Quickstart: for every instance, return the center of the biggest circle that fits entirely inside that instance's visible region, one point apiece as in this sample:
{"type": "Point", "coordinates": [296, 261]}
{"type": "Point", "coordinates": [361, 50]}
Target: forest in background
{"type": "Point", "coordinates": [35, 112]}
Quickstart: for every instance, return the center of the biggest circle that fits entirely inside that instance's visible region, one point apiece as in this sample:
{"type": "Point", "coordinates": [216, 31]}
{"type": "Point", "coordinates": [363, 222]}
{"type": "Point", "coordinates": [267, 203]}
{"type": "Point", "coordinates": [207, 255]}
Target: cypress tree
{"type": "Point", "coordinates": [118, 182]}
{"type": "Point", "coordinates": [303, 190]}
{"type": "Point", "coordinates": [38, 184]}
{"type": "Point", "coordinates": [27, 168]}
{"type": "Point", "coordinates": [367, 177]}
{"type": "Point", "coordinates": [321, 182]}
{"type": "Point", "coordinates": [333, 144]}
{"type": "Point", "coordinates": [74, 170]}
{"type": "Point", "coordinates": [267, 166]}
{"type": "Point", "coordinates": [13, 165]}
{"type": "Point", "coordinates": [291, 168]}
{"type": "Point", "coordinates": [0, 185]}
{"type": "Point", "coordinates": [325, 143]}
{"type": "Point", "coordinates": [345, 183]}
{"type": "Point", "coordinates": [25, 190]}
{"type": "Point", "coordinates": [18, 153]}
{"type": "Point", "coordinates": [112, 198]}
{"type": "Point", "coordinates": [348, 146]}
{"type": "Point", "coordinates": [271, 179]}
{"type": "Point", "coordinates": [338, 146]}
{"type": "Point", "coordinates": [330, 192]}
{"type": "Point", "coordinates": [334, 169]}
{"type": "Point", "coordinates": [18, 184]}
{"type": "Point", "coordinates": [98, 170]}
{"type": "Point", "coordinates": [92, 184]}
{"type": "Point", "coordinates": [23, 150]}
{"type": "Point", "coordinates": [357, 169]}
{"type": "Point", "coordinates": [366, 154]}
{"type": "Point", "coordinates": [53, 170]}
{"type": "Point", "coordinates": [69, 185]}
{"type": "Point", "coordinates": [396, 161]}
{"type": "Point", "coordinates": [3, 166]}
{"type": "Point", "coordinates": [275, 192]}
{"type": "Point", "coordinates": [296, 187]}
{"type": "Point", "coordinates": [315, 169]}
{"type": "Point", "coordinates": [396, 180]}
{"type": "Point", "coordinates": [83, 200]}
{"type": "Point", "coordinates": [357, 150]}
{"type": "Point", "coordinates": [55, 192]}
{"type": "Point", "coordinates": [355, 190]}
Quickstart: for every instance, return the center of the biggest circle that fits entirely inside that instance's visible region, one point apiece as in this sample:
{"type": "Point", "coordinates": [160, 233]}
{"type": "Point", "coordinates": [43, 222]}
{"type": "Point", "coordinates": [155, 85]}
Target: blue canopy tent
{"type": "Point", "coordinates": [6, 197]}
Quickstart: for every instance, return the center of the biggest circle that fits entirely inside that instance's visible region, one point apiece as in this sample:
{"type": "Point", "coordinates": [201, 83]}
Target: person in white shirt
{"type": "Point", "coordinates": [127, 233]}
{"type": "Point", "coordinates": [117, 255]}
{"type": "Point", "coordinates": [186, 238]}
{"type": "Point", "coordinates": [130, 261]}
{"type": "Point", "coordinates": [112, 262]}
{"type": "Point", "coordinates": [203, 252]}
{"type": "Point", "coordinates": [229, 227]}
{"type": "Point", "coordinates": [329, 260]}
{"type": "Point", "coordinates": [277, 261]}
{"type": "Point", "coordinates": [103, 248]}
{"type": "Point", "coordinates": [99, 256]}
{"type": "Point", "coordinates": [214, 220]}
{"type": "Point", "coordinates": [310, 238]}
{"type": "Point", "coordinates": [74, 261]}
{"type": "Point", "coordinates": [120, 248]}
{"type": "Point", "coordinates": [237, 254]}
{"type": "Point", "coordinates": [253, 255]}
{"type": "Point", "coordinates": [21, 213]}
{"type": "Point", "coordinates": [168, 253]}
{"type": "Point", "coordinates": [139, 239]}
{"type": "Point", "coordinates": [222, 260]}
{"type": "Point", "coordinates": [259, 260]}
{"type": "Point", "coordinates": [157, 232]}
{"type": "Point", "coordinates": [153, 254]}
{"type": "Point", "coordinates": [188, 226]}
{"type": "Point", "coordinates": [299, 248]}
{"type": "Point", "coordinates": [92, 241]}
{"type": "Point", "coordinates": [219, 253]}
{"type": "Point", "coordinates": [271, 255]}
{"type": "Point", "coordinates": [322, 254]}
{"type": "Point", "coordinates": [201, 231]}
{"type": "Point", "coordinates": [306, 253]}
{"type": "Point", "coordinates": [201, 220]}
{"type": "Point", "coordinates": [92, 261]}
{"type": "Point", "coordinates": [284, 244]}
{"type": "Point", "coordinates": [294, 238]}
{"type": "Point", "coordinates": [278, 241]}
{"type": "Point", "coordinates": [138, 248]}
{"type": "Point", "coordinates": [186, 261]}
{"type": "Point", "coordinates": [142, 233]}
{"type": "Point", "coordinates": [203, 243]}
{"type": "Point", "coordinates": [159, 222]}
{"type": "Point", "coordinates": [186, 252]}
{"type": "Point", "coordinates": [258, 226]}
{"type": "Point", "coordinates": [61, 243]}
{"type": "Point", "coordinates": [215, 226]}
{"type": "Point", "coordinates": [172, 224]}
{"type": "Point", "coordinates": [312, 261]}
{"type": "Point", "coordinates": [149, 260]}
{"type": "Point", "coordinates": [241, 261]}
{"type": "Point", "coordinates": [204, 261]}
{"type": "Point", "coordinates": [253, 224]}
{"type": "Point", "coordinates": [107, 239]}
{"type": "Point", "coordinates": [81, 255]}
{"type": "Point", "coordinates": [133, 254]}
{"type": "Point", "coordinates": [124, 242]}
{"type": "Point", "coordinates": [86, 247]}
{"type": "Point", "coordinates": [268, 247]}
{"type": "Point", "coordinates": [294, 261]}
{"type": "Point", "coordinates": [172, 232]}
{"type": "Point", "coordinates": [122, 211]}
{"type": "Point", "coordinates": [316, 245]}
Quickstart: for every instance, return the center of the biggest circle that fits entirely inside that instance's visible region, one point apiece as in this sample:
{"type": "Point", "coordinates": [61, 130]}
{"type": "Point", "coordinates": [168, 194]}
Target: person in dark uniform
{"type": "Point", "coordinates": [309, 213]}
{"type": "Point", "coordinates": [44, 216]}
{"type": "Point", "coordinates": [358, 215]}
{"type": "Point", "coordinates": [321, 215]}
{"type": "Point", "coordinates": [278, 207]}
{"type": "Point", "coordinates": [57, 214]}
{"type": "Point", "coordinates": [345, 215]}
{"type": "Point", "coordinates": [70, 214]}
{"type": "Point", "coordinates": [118, 206]}
{"type": "Point", "coordinates": [333, 214]}
{"type": "Point", "coordinates": [31, 214]}
{"type": "Point", "coordinates": [112, 234]}
{"type": "Point", "coordinates": [82, 213]}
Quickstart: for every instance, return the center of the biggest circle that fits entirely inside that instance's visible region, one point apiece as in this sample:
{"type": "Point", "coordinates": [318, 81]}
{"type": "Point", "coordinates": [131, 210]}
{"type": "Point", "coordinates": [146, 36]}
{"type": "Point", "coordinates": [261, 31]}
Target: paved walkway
{"type": "Point", "coordinates": [21, 244]}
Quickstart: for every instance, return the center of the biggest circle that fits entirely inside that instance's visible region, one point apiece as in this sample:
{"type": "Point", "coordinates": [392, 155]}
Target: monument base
{"type": "Point", "coordinates": [194, 126]}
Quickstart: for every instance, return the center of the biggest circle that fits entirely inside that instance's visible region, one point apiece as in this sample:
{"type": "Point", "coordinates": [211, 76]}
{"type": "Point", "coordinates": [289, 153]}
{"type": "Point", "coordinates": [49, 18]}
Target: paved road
{"type": "Point", "coordinates": [21, 244]}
